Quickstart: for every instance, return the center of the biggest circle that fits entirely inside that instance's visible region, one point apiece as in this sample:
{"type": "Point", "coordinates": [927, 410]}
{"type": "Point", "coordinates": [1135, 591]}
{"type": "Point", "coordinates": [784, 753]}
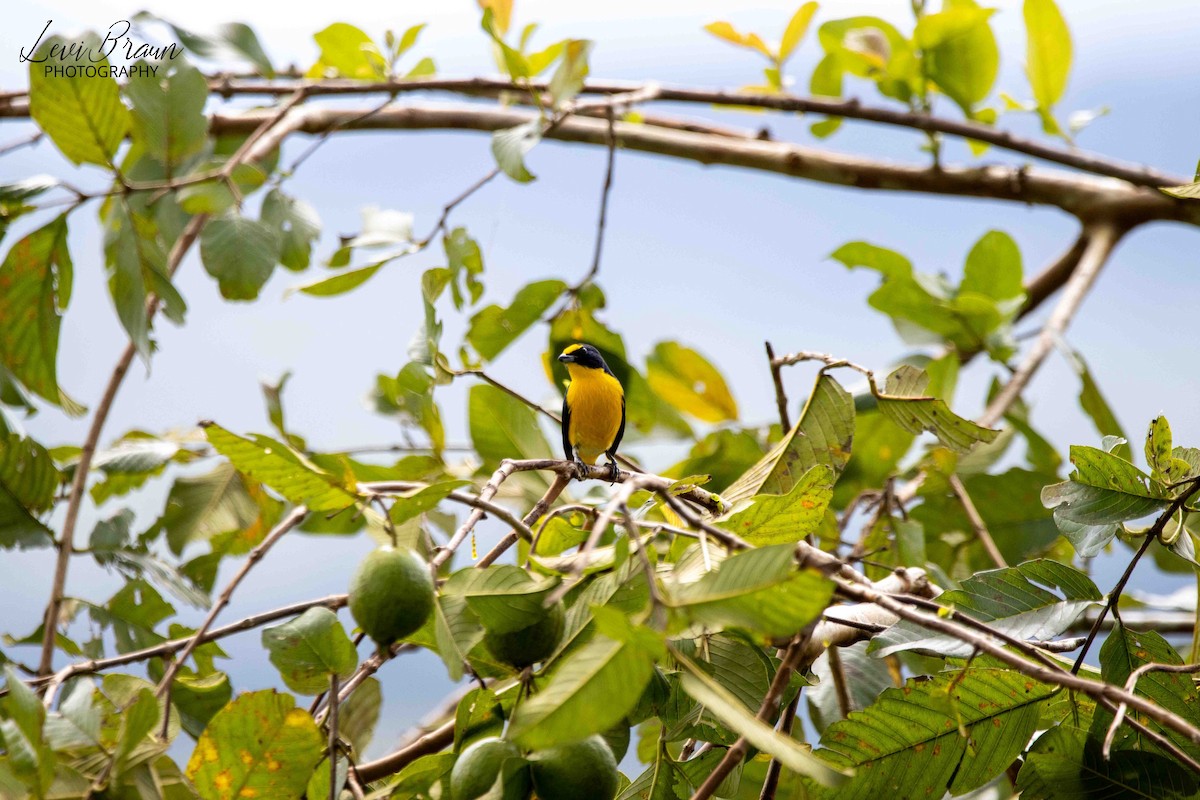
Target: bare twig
{"type": "Point", "coordinates": [332, 602]}
{"type": "Point", "coordinates": [333, 735]}
{"type": "Point", "coordinates": [293, 518]}
{"type": "Point", "coordinates": [1130, 686]}
{"type": "Point", "coordinates": [602, 222]}
{"type": "Point", "coordinates": [781, 401]}
{"type": "Point", "coordinates": [977, 523]}
{"type": "Point", "coordinates": [1102, 237]}
{"type": "Point", "coordinates": [392, 763]}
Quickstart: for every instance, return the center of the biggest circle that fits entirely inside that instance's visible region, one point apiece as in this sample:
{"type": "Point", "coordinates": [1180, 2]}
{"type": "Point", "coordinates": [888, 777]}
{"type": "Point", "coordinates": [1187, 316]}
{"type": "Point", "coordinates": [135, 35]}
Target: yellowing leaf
{"type": "Point", "coordinates": [686, 380]}
{"type": "Point", "coordinates": [1048, 54]}
{"type": "Point", "coordinates": [726, 31]}
{"type": "Point", "coordinates": [796, 28]}
{"type": "Point", "coordinates": [778, 519]}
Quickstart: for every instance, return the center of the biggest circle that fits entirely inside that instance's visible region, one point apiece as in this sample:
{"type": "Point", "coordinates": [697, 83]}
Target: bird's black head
{"type": "Point", "coordinates": [584, 355]}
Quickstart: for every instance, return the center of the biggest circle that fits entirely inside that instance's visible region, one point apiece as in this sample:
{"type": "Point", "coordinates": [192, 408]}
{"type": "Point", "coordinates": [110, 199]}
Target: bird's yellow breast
{"type": "Point", "coordinates": [596, 402]}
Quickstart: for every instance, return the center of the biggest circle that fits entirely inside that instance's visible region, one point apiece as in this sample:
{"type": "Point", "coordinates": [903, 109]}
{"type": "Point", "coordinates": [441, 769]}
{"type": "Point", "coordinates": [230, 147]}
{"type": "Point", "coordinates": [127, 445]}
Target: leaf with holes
{"type": "Point", "coordinates": [904, 403]}
{"type": "Point", "coordinates": [1104, 489]}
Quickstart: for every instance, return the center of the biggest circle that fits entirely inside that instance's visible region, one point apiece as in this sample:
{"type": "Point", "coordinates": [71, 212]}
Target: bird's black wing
{"type": "Point", "coordinates": [566, 427]}
{"type": "Point", "coordinates": [612, 451]}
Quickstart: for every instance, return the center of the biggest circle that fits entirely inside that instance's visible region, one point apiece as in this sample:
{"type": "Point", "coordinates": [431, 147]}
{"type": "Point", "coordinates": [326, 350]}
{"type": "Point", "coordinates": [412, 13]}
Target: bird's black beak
{"type": "Point", "coordinates": [566, 358]}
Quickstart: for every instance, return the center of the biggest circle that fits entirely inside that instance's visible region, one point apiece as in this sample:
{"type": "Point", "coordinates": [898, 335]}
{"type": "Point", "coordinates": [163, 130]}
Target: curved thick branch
{"type": "Point", "coordinates": [1083, 196]}
{"type": "Point", "coordinates": [15, 104]}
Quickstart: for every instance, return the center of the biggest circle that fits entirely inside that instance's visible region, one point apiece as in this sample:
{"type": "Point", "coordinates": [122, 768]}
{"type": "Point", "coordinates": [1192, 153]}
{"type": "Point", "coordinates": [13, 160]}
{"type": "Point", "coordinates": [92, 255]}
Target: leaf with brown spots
{"type": "Point", "coordinates": [260, 745]}
{"type": "Point", "coordinates": [952, 732]}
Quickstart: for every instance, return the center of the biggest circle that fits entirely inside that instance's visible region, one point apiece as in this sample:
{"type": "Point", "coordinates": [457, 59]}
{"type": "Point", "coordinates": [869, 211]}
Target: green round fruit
{"type": "Point", "coordinates": [479, 766]}
{"type": "Point", "coordinates": [531, 644]}
{"type": "Point", "coordinates": [582, 771]}
{"type": "Point", "coordinates": [391, 594]}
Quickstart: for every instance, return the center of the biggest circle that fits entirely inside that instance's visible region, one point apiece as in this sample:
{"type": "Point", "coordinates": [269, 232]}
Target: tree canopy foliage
{"type": "Point", "coordinates": [912, 580]}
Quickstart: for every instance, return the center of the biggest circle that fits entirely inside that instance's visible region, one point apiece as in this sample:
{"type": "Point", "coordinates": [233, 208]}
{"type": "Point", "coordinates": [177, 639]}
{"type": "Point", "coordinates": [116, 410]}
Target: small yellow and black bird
{"type": "Point", "coordinates": [593, 414]}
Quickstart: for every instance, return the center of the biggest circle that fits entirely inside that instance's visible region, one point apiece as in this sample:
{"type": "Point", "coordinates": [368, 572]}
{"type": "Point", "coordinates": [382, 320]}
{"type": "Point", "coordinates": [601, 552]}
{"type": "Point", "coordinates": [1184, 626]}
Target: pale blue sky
{"type": "Point", "coordinates": [714, 257]}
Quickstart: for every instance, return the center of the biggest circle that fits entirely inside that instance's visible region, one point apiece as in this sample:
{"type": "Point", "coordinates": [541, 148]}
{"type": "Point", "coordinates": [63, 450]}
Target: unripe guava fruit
{"type": "Point", "coordinates": [581, 771]}
{"type": "Point", "coordinates": [531, 644]}
{"type": "Point", "coordinates": [391, 594]}
{"type": "Point", "coordinates": [481, 765]}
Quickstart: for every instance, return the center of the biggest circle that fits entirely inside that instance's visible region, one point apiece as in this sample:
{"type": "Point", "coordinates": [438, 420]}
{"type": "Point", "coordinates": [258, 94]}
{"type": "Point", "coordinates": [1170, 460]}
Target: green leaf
{"type": "Point", "coordinates": [1064, 763]}
{"type": "Point", "coordinates": [1095, 406]}
{"type": "Point", "coordinates": [359, 713]}
{"type": "Point", "coordinates": [777, 519]}
{"type": "Point", "coordinates": [137, 265]}
{"type": "Point", "coordinates": [1047, 56]}
{"type": "Point", "coordinates": [295, 225]}
{"type": "Point", "coordinates": [168, 112]}
{"type": "Point", "coordinates": [723, 705]}
{"type": "Point", "coordinates": [503, 427]}
{"type": "Point", "coordinates": [234, 40]}
{"type": "Point", "coordinates": [687, 380]}
{"type": "Point", "coordinates": [240, 253]}
{"type": "Point", "coordinates": [903, 401]}
{"type": "Point", "coordinates": [1124, 651]}
{"type": "Point", "coordinates": [83, 115]}
{"type": "Point", "coordinates": [865, 678]}
{"type": "Point", "coordinates": [211, 504]}
{"type": "Point", "coordinates": [589, 692]}
{"type": "Point", "coordinates": [347, 52]}
{"type": "Point", "coordinates": [960, 52]}
{"type": "Point", "coordinates": [510, 145]}
{"type": "Point", "coordinates": [723, 454]}
{"type": "Point", "coordinates": [796, 28]}
{"type": "Point", "coordinates": [310, 648]}
{"type": "Point", "coordinates": [822, 435]}
{"type": "Point", "coordinates": [456, 632]}
{"type": "Point", "coordinates": [35, 287]}
{"type": "Point", "coordinates": [275, 465]}
{"type": "Point", "coordinates": [13, 197]}
{"type": "Point", "coordinates": [494, 328]}
{"type": "Point", "coordinates": [503, 597]}
{"type": "Point", "coordinates": [760, 590]}
{"type": "Point", "coordinates": [77, 723]}
{"type": "Point", "coordinates": [993, 268]}
{"type": "Point", "coordinates": [1103, 489]}
{"type": "Point", "coordinates": [953, 731]}
{"type": "Point", "coordinates": [261, 744]}
{"type": "Point", "coordinates": [340, 283]}
{"type": "Point", "coordinates": [27, 473]}
{"type": "Point", "coordinates": [1017, 601]}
